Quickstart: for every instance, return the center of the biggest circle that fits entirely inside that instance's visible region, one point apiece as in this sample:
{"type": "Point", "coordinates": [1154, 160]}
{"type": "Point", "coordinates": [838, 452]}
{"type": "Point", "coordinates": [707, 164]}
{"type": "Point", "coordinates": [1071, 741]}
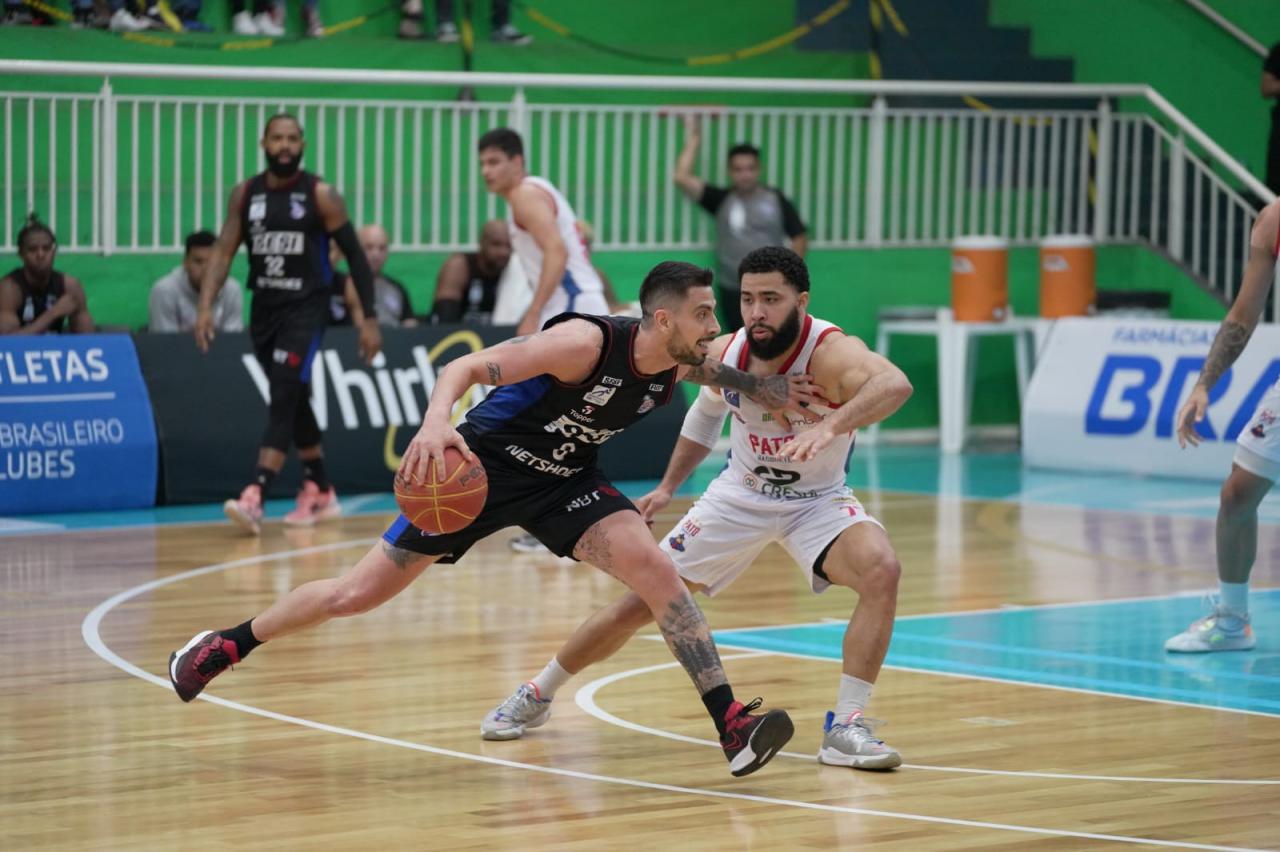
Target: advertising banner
{"type": "Point", "coordinates": [76, 430]}
{"type": "Point", "coordinates": [1106, 392]}
{"type": "Point", "coordinates": [211, 410]}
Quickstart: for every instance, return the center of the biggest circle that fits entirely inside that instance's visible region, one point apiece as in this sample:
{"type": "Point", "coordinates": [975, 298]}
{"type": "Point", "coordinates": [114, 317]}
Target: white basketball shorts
{"type": "Point", "coordinates": [1258, 447]}
{"type": "Point", "coordinates": [725, 530]}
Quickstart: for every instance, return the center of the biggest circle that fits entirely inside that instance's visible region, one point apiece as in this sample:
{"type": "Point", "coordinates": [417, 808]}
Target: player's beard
{"type": "Point", "coordinates": [780, 341]}
{"type": "Point", "coordinates": [281, 169]}
{"type": "Point", "coordinates": [687, 354]}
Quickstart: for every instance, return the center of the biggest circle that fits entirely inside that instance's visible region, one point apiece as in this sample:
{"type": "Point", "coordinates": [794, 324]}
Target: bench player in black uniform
{"type": "Point", "coordinates": [562, 392]}
{"type": "Point", "coordinates": [35, 298]}
{"type": "Point", "coordinates": [285, 217]}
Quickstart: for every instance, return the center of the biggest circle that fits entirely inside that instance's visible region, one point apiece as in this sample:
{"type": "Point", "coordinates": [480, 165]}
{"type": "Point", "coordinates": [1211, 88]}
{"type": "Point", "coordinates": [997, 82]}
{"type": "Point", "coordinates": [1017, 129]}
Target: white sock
{"type": "Point", "coordinates": [854, 695]}
{"type": "Point", "coordinates": [1234, 596]}
{"type": "Point", "coordinates": [551, 679]}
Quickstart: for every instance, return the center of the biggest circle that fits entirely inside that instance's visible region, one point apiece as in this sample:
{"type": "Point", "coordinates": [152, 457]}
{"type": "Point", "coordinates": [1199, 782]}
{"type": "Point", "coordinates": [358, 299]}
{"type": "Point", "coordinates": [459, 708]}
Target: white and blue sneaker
{"type": "Point", "coordinates": [853, 742]}
{"type": "Point", "coordinates": [524, 709]}
{"type": "Point", "coordinates": [1220, 630]}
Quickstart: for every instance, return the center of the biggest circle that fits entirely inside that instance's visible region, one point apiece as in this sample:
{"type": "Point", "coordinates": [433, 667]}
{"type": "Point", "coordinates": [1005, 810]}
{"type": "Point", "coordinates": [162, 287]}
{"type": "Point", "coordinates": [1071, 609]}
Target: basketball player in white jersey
{"type": "Point", "coordinates": [784, 482]}
{"type": "Point", "coordinates": [544, 234]}
{"type": "Point", "coordinates": [1256, 465]}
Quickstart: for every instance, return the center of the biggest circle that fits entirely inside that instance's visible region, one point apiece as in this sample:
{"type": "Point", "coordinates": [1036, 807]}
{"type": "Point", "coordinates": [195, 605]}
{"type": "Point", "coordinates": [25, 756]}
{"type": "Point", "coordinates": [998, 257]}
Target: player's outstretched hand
{"type": "Point", "coordinates": [653, 503]}
{"type": "Point", "coordinates": [807, 445]}
{"type": "Point", "coordinates": [427, 448]}
{"type": "Point", "coordinates": [370, 343]}
{"type": "Point", "coordinates": [1192, 413]}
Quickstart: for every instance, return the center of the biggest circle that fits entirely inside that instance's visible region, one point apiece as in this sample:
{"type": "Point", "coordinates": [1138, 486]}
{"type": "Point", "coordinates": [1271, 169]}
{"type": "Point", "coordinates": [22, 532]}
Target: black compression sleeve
{"type": "Point", "coordinates": [361, 273]}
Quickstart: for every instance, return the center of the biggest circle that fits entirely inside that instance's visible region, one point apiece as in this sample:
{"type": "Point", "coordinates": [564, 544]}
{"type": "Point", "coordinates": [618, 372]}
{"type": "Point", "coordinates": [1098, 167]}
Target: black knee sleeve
{"type": "Point", "coordinates": [282, 414]}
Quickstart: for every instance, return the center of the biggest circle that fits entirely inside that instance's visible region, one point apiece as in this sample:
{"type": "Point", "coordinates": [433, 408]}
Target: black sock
{"type": "Point", "coordinates": [264, 477]}
{"type": "Point", "coordinates": [717, 701]}
{"type": "Point", "coordinates": [313, 469]}
{"type": "Point", "coordinates": [243, 637]}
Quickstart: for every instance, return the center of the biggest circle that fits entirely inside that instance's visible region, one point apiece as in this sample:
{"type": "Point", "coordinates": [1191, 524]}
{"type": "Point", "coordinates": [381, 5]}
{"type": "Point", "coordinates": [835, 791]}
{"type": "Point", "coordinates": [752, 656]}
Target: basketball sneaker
{"type": "Point", "coordinates": [246, 512]}
{"type": "Point", "coordinates": [749, 741]}
{"type": "Point", "coordinates": [853, 743]}
{"type": "Point", "coordinates": [202, 659]}
{"type": "Point", "coordinates": [1220, 630]}
{"type": "Point", "coordinates": [524, 709]}
{"type": "Point", "coordinates": [313, 506]}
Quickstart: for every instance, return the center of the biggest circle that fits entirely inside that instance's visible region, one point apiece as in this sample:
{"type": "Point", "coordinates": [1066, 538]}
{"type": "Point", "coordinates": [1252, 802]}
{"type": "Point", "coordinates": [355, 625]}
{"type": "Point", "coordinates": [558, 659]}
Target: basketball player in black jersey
{"type": "Point", "coordinates": [285, 217]}
{"type": "Point", "coordinates": [37, 299]}
{"type": "Point", "coordinates": [561, 393]}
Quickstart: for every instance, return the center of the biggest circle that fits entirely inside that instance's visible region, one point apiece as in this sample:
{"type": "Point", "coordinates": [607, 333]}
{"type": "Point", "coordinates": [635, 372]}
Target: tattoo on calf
{"type": "Point", "coordinates": [689, 637]}
{"type": "Point", "coordinates": [495, 373]}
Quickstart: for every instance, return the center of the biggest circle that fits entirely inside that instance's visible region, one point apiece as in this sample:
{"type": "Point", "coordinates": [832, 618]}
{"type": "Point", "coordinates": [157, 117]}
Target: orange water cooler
{"type": "Point", "coordinates": [1067, 283]}
{"type": "Point", "coordinates": [980, 279]}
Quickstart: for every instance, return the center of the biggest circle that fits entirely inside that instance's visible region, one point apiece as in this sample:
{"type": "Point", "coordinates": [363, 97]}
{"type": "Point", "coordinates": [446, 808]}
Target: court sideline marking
{"type": "Point", "coordinates": [90, 632]}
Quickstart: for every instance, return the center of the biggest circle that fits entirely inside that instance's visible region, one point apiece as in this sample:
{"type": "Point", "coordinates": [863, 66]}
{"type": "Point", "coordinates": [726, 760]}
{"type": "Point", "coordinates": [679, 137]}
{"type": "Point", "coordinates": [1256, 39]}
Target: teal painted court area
{"type": "Point", "coordinates": [1114, 648]}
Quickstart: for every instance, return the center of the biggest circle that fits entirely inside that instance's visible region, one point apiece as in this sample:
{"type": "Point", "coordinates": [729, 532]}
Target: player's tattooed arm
{"type": "Point", "coordinates": [495, 373]}
{"type": "Point", "coordinates": [1230, 341]}
{"type": "Point", "coordinates": [772, 392]}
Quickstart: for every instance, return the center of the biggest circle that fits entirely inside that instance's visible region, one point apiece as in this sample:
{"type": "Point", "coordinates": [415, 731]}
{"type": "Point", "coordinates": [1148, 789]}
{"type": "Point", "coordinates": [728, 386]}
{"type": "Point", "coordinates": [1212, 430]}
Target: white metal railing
{"type": "Point", "coordinates": [116, 172]}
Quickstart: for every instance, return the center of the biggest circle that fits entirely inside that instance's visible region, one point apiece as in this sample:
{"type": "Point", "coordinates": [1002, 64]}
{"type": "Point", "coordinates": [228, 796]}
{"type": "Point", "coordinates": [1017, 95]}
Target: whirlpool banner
{"type": "Point", "coordinates": [1106, 392]}
{"type": "Point", "coordinates": [76, 430]}
{"type": "Point", "coordinates": [212, 410]}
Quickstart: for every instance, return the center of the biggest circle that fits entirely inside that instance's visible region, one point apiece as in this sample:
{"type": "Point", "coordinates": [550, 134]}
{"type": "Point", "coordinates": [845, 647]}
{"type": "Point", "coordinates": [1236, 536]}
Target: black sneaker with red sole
{"type": "Point", "coordinates": [751, 741]}
{"type": "Point", "coordinates": [202, 659]}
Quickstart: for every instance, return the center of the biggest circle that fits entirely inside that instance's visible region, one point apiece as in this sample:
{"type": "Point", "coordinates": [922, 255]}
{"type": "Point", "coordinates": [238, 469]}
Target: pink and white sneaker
{"type": "Point", "coordinates": [246, 512]}
{"type": "Point", "coordinates": [313, 506]}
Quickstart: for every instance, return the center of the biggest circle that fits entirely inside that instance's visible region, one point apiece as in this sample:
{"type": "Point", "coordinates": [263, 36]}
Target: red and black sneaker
{"type": "Point", "coordinates": [202, 659]}
{"type": "Point", "coordinates": [751, 741]}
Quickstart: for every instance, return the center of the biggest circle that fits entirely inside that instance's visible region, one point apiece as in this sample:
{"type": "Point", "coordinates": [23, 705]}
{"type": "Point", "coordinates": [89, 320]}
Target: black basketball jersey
{"type": "Point", "coordinates": [287, 243]}
{"type": "Point", "coordinates": [550, 428]}
{"type": "Point", "coordinates": [34, 302]}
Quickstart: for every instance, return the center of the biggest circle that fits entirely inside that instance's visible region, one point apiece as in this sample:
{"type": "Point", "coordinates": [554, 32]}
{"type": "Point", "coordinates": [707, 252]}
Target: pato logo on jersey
{"type": "Point", "coordinates": [733, 398]}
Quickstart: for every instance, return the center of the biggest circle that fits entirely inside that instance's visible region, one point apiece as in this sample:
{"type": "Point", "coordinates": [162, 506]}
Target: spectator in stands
{"type": "Point", "coordinates": [1271, 89]}
{"type": "Point", "coordinates": [175, 298]}
{"type": "Point", "coordinates": [37, 299]}
{"type": "Point", "coordinates": [467, 284]}
{"type": "Point", "coordinates": [749, 215]}
{"type": "Point", "coordinates": [391, 300]}
{"type": "Point", "coordinates": [503, 32]}
{"type": "Point", "coordinates": [267, 18]}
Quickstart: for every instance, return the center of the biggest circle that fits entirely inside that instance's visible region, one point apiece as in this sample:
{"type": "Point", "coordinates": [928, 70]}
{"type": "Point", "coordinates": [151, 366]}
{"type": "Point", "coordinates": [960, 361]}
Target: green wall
{"type": "Point", "coordinates": [642, 28]}
{"type": "Point", "coordinates": [1208, 75]}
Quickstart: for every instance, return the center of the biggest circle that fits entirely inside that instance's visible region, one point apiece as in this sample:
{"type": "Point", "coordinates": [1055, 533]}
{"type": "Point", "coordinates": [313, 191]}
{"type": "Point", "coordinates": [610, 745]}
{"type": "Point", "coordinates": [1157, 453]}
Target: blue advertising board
{"type": "Point", "coordinates": [76, 429]}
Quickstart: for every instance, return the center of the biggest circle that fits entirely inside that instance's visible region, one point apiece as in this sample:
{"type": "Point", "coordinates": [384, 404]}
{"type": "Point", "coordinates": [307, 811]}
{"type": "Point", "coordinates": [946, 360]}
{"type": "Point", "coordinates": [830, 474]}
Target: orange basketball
{"type": "Point", "coordinates": [447, 505]}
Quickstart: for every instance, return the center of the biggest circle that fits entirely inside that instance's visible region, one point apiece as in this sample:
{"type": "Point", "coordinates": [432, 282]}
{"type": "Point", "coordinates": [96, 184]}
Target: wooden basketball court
{"type": "Point", "coordinates": [364, 733]}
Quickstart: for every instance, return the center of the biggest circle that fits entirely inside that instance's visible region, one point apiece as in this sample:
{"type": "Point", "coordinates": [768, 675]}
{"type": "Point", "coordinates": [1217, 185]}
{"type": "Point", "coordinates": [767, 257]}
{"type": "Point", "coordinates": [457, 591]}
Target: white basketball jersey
{"type": "Point", "coordinates": [756, 438]}
{"type": "Point", "coordinates": [579, 276]}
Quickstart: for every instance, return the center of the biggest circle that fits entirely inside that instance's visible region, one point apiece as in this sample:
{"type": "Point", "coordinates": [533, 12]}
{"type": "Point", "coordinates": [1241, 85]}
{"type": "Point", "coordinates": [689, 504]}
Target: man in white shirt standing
{"type": "Point", "coordinates": [544, 234]}
{"type": "Point", "coordinates": [175, 298]}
